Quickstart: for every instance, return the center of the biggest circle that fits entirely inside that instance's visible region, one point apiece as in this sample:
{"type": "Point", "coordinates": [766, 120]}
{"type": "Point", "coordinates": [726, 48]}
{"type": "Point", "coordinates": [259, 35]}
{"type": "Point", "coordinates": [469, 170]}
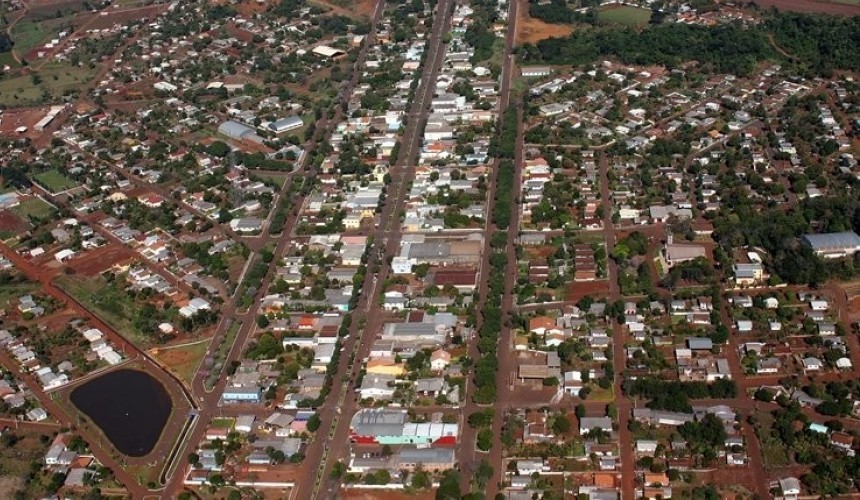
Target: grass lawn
{"type": "Point", "coordinates": [624, 14]}
{"type": "Point", "coordinates": [33, 207]}
{"type": "Point", "coordinates": [55, 181]}
{"type": "Point", "coordinates": [278, 179]}
{"type": "Point", "coordinates": [223, 423]}
{"type": "Point", "coordinates": [11, 291]}
{"type": "Point", "coordinates": [183, 360]}
{"type": "Point", "coordinates": [57, 79]}
{"type": "Point", "coordinates": [600, 394]}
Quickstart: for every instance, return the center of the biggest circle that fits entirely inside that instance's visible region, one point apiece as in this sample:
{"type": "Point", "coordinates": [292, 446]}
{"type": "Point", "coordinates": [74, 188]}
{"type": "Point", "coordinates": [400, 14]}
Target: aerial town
{"type": "Point", "coordinates": [433, 249]}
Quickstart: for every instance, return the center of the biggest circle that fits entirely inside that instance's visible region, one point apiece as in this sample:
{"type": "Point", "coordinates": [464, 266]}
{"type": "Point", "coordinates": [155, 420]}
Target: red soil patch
{"type": "Point", "coordinates": [365, 7]}
{"type": "Point", "coordinates": [59, 320]}
{"type": "Point", "coordinates": [531, 30]}
{"type": "Point", "coordinates": [22, 117]}
{"type": "Point", "coordinates": [12, 223]}
{"type": "Point", "coordinates": [580, 289]}
{"type": "Point", "coordinates": [843, 9]}
{"type": "Point", "coordinates": [99, 260]}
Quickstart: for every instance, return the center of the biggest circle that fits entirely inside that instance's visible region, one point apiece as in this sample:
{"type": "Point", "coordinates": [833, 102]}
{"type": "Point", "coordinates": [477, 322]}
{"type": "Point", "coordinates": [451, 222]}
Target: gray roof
{"type": "Point", "coordinates": [833, 241]}
{"type": "Point", "coordinates": [234, 129]}
{"type": "Point", "coordinates": [412, 455]}
{"type": "Point", "coordinates": [379, 422]}
{"type": "Point", "coordinates": [699, 343]}
{"type": "Point", "coordinates": [589, 423]}
{"type": "Point", "coordinates": [286, 123]}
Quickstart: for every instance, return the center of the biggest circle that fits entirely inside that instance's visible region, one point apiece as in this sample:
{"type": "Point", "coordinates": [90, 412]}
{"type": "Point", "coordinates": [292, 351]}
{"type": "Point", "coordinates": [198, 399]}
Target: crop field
{"type": "Point", "coordinates": [623, 14]}
{"type": "Point", "coordinates": [55, 181]}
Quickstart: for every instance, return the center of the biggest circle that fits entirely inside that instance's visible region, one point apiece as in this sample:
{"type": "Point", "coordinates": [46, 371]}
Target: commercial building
{"type": "Point", "coordinates": [390, 426]}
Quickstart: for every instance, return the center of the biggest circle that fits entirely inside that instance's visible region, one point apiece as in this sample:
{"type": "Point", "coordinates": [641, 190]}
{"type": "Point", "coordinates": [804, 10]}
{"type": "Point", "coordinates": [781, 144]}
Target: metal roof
{"type": "Point", "coordinates": [833, 241]}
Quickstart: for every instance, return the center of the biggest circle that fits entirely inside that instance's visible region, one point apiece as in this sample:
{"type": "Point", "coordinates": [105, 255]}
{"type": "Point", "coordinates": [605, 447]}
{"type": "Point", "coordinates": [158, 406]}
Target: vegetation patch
{"type": "Point", "coordinates": [625, 14]}
{"type": "Point", "coordinates": [183, 360]}
{"type": "Point", "coordinates": [34, 209]}
{"type": "Point", "coordinates": [54, 181]}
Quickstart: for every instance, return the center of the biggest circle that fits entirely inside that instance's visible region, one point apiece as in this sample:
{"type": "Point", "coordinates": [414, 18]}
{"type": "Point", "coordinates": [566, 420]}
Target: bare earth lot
{"type": "Point", "coordinates": [530, 30]}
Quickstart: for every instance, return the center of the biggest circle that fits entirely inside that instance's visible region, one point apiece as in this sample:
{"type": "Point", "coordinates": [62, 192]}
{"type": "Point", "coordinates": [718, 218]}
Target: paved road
{"type": "Point", "coordinates": [342, 402]}
{"type": "Point", "coordinates": [469, 456]}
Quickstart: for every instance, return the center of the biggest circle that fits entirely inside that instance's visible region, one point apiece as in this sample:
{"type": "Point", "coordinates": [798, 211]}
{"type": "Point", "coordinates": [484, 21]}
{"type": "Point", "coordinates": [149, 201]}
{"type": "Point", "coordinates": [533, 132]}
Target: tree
{"type": "Point", "coordinates": [561, 425]}
{"type": "Point", "coordinates": [420, 479]}
{"type": "Point", "coordinates": [193, 458]}
{"type": "Point", "coordinates": [314, 422]}
{"type": "Point", "coordinates": [449, 486]}
{"type": "Point", "coordinates": [219, 149]}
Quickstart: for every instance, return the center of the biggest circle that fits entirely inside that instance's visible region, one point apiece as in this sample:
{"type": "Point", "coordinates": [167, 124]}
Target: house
{"type": "Point", "coordinates": [744, 325]}
{"type": "Point", "coordinates": [587, 424]}
{"type": "Point", "coordinates": [843, 441]}
{"type": "Point", "coordinates": [246, 224]}
{"type": "Point", "coordinates": [700, 344]}
{"type": "Point", "coordinates": [439, 360]}
{"type": "Point", "coordinates": [572, 383]}
{"type": "Point", "coordinates": [377, 387]}
{"type": "Point", "coordinates": [431, 387]}
{"type": "Point", "coordinates": [527, 467]}
{"type": "Point", "coordinates": [790, 486]}
{"type": "Point", "coordinates": [818, 428]}
{"type": "Point", "coordinates": [286, 124]}
{"type": "Point", "coordinates": [676, 254]}
{"type": "Point", "coordinates": [748, 274]}
{"type": "Point", "coordinates": [647, 447]}
{"type": "Point", "coordinates": [768, 366]}
{"type": "Point", "coordinates": [535, 71]}
{"type": "Point", "coordinates": [811, 364]}
{"type": "Point", "coordinates": [241, 395]}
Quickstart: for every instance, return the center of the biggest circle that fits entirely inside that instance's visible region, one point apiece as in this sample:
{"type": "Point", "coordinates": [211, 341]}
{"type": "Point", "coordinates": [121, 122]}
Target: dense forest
{"type": "Point", "coordinates": [816, 43]}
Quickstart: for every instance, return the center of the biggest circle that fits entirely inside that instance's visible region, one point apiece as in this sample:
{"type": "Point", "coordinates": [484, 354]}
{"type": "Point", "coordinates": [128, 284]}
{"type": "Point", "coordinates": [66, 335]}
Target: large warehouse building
{"type": "Point", "coordinates": [833, 245]}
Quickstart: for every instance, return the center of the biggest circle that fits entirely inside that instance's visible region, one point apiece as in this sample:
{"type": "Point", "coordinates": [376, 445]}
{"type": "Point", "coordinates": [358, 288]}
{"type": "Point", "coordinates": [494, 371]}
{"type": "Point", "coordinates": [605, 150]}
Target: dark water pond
{"type": "Point", "coordinates": [131, 407]}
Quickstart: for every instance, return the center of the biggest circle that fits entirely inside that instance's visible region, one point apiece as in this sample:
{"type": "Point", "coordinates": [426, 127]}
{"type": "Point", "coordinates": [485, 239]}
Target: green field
{"type": "Point", "coordinates": [54, 80]}
{"type": "Point", "coordinates": [7, 59]}
{"type": "Point", "coordinates": [624, 14]}
{"type": "Point", "coordinates": [55, 181]}
{"type": "Point", "coordinates": [28, 35]}
{"type": "Point", "coordinates": [33, 207]}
